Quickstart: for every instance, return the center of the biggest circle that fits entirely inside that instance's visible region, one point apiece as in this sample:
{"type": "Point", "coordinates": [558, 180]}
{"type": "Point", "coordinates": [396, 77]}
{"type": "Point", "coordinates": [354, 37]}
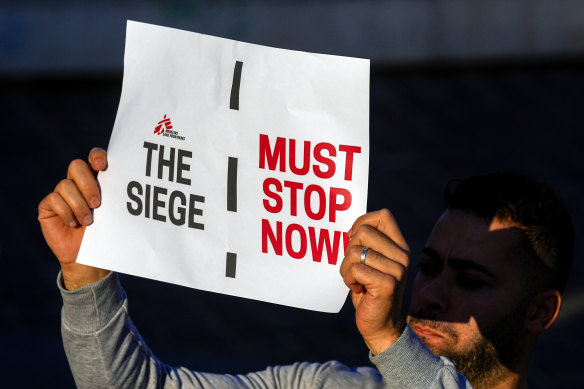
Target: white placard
{"type": "Point", "coordinates": [233, 168]}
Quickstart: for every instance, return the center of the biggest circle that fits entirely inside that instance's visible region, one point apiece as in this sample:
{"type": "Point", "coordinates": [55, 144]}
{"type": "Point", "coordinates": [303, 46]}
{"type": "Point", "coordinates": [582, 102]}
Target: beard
{"type": "Point", "coordinates": [489, 355]}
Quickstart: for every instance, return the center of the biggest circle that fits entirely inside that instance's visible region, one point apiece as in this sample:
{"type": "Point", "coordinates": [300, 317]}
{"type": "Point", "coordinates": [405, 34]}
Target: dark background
{"type": "Point", "coordinates": [431, 120]}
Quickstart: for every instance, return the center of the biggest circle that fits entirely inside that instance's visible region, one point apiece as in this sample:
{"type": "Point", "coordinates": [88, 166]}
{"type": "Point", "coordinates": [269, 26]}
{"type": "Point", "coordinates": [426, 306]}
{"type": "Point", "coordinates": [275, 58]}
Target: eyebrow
{"type": "Point", "coordinates": [457, 263]}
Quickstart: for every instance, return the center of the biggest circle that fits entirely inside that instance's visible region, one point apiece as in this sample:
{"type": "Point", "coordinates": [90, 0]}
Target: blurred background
{"type": "Point", "coordinates": [457, 88]}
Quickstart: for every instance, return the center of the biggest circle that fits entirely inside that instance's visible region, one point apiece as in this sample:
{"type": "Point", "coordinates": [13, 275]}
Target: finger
{"type": "Point", "coordinates": [81, 175]}
{"type": "Point", "coordinates": [383, 221]}
{"type": "Point", "coordinates": [98, 159]}
{"type": "Point", "coordinates": [68, 190]}
{"type": "Point", "coordinates": [368, 236]}
{"type": "Point", "coordinates": [375, 260]}
{"type": "Point", "coordinates": [376, 283]}
{"type": "Point", "coordinates": [54, 204]}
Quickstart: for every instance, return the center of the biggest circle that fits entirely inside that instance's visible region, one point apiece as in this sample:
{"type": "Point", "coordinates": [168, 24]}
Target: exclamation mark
{"type": "Point", "coordinates": [231, 258]}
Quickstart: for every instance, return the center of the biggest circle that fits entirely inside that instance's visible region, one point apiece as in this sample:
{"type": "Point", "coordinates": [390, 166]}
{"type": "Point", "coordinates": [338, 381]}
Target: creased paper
{"type": "Point", "coordinates": [233, 168]}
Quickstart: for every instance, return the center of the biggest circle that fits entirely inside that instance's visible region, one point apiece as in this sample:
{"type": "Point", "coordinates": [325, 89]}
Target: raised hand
{"type": "Point", "coordinates": [65, 213]}
{"type": "Point", "coordinates": [377, 284]}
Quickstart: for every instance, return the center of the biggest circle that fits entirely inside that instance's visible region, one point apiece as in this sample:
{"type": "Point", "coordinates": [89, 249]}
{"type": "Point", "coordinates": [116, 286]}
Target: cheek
{"type": "Point", "coordinates": [414, 297]}
{"type": "Point", "coordinates": [487, 305]}
{"type": "Point", "coordinates": [472, 308]}
{"type": "Point", "coordinates": [458, 305]}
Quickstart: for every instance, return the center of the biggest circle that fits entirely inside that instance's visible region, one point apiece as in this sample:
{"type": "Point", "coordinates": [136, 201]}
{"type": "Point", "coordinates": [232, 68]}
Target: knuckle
{"type": "Point", "coordinates": [55, 203]}
{"type": "Point", "coordinates": [403, 258]}
{"type": "Point", "coordinates": [386, 289]}
{"type": "Point", "coordinates": [362, 231]}
{"type": "Point", "coordinates": [401, 273]}
{"type": "Point", "coordinates": [75, 165]}
{"type": "Point", "coordinates": [362, 271]}
{"type": "Point", "coordinates": [348, 276]}
{"type": "Point", "coordinates": [46, 202]}
{"type": "Point", "coordinates": [353, 270]}
{"type": "Point", "coordinates": [52, 198]}
{"type": "Point", "coordinates": [387, 217]}
{"type": "Point", "coordinates": [354, 251]}
{"type": "Point", "coordinates": [390, 283]}
{"type": "Point", "coordinates": [385, 213]}
{"type": "Point", "coordinates": [63, 184]}
{"type": "Point", "coordinates": [358, 233]}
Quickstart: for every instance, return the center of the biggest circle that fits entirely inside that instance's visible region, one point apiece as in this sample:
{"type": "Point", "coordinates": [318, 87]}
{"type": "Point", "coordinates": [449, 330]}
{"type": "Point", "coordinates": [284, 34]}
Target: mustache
{"type": "Point", "coordinates": [429, 320]}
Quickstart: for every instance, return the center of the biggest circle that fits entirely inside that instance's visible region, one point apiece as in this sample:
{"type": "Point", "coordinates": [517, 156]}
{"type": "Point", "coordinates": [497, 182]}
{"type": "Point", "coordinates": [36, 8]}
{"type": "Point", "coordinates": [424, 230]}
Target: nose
{"type": "Point", "coordinates": [432, 294]}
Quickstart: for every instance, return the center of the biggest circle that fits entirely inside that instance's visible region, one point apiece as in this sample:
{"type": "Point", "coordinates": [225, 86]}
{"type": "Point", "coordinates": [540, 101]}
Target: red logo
{"type": "Point", "coordinates": [163, 125]}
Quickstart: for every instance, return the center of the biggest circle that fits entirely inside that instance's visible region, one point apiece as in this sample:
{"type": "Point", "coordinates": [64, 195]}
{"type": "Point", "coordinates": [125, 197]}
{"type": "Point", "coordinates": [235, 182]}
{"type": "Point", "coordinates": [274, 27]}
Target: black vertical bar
{"type": "Point", "coordinates": [234, 100]}
{"type": "Point", "coordinates": [231, 259]}
{"type": "Point", "coordinates": [230, 265]}
{"type": "Point", "coordinates": [232, 184]}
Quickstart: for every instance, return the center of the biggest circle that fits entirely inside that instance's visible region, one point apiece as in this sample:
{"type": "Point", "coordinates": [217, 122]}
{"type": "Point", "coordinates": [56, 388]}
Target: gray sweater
{"type": "Point", "coordinates": [105, 350]}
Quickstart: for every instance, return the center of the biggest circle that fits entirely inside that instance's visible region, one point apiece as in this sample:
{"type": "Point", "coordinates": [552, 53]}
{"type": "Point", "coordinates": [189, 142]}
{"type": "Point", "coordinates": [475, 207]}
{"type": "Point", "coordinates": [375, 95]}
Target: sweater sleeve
{"type": "Point", "coordinates": [105, 350]}
{"type": "Point", "coordinates": [408, 363]}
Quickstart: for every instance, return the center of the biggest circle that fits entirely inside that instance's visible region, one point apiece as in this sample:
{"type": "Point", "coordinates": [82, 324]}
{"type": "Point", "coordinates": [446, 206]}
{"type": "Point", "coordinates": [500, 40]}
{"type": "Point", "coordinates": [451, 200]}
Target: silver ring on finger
{"type": "Point", "coordinates": [364, 254]}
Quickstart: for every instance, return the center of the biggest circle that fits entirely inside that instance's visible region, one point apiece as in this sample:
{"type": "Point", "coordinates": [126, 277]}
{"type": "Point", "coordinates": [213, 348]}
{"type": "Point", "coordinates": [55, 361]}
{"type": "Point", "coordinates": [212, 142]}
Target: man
{"type": "Point", "coordinates": [489, 282]}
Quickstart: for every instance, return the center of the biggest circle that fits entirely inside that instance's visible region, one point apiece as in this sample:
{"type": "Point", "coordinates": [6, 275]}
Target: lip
{"type": "Point", "coordinates": [426, 332]}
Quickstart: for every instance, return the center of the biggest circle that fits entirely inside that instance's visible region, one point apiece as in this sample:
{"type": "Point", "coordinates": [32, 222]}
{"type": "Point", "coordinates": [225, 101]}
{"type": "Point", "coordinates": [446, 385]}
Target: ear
{"type": "Point", "coordinates": [543, 311]}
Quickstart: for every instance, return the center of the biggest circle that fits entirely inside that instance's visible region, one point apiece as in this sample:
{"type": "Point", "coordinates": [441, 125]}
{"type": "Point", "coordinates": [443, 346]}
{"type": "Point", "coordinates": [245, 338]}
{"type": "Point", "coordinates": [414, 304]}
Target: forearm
{"type": "Point", "coordinates": [101, 347]}
{"type": "Point", "coordinates": [105, 350]}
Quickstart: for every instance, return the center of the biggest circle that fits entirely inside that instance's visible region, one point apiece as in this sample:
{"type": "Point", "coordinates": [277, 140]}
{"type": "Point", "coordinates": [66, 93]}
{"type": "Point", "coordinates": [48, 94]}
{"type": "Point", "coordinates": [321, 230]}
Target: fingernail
{"type": "Point", "coordinates": [99, 164]}
{"type": "Point", "coordinates": [350, 232]}
{"type": "Point", "coordinates": [73, 224]}
{"type": "Point", "coordinates": [94, 202]}
{"type": "Point", "coordinates": [87, 219]}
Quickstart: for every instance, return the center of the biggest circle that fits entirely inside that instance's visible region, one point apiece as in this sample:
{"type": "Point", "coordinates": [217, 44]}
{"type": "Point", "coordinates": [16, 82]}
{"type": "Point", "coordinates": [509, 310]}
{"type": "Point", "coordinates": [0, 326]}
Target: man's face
{"type": "Point", "coordinates": [467, 301]}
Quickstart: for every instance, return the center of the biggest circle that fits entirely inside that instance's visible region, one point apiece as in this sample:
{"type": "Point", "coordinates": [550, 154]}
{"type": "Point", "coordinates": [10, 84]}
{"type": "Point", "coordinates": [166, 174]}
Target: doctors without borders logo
{"type": "Point", "coordinates": [164, 128]}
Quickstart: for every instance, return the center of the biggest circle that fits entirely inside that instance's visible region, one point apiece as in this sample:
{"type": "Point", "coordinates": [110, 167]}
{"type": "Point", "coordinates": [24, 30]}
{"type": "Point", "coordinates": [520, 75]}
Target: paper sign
{"type": "Point", "coordinates": [233, 168]}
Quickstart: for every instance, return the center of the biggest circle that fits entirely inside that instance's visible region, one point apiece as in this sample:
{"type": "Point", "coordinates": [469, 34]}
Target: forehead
{"type": "Point", "coordinates": [458, 234]}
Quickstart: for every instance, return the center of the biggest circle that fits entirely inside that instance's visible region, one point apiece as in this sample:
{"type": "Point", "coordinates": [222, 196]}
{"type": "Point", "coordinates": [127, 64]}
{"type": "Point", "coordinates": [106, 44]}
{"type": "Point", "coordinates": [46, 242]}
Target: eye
{"type": "Point", "coordinates": [468, 281]}
{"type": "Point", "coordinates": [428, 269]}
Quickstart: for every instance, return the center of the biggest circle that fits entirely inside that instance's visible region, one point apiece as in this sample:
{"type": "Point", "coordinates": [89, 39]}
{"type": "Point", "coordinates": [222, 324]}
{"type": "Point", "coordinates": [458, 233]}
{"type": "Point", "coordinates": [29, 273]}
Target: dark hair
{"type": "Point", "coordinates": [547, 226]}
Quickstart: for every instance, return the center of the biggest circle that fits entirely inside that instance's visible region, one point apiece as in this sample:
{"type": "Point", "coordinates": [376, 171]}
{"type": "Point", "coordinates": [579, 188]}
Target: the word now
{"type": "Point", "coordinates": [280, 239]}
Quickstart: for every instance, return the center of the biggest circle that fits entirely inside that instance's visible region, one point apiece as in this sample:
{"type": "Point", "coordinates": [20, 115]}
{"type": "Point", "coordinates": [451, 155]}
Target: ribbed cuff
{"type": "Point", "coordinates": [409, 361]}
{"type": "Point", "coordinates": [90, 308]}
